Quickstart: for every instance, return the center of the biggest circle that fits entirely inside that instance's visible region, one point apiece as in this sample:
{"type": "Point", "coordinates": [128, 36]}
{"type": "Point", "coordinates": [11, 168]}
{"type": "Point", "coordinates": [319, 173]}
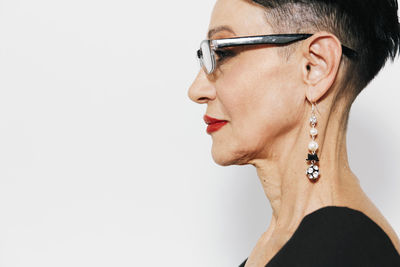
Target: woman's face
{"type": "Point", "coordinates": [255, 89]}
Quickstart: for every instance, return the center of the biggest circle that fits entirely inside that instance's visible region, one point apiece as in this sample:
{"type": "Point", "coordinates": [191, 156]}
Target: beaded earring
{"type": "Point", "coordinates": [312, 171]}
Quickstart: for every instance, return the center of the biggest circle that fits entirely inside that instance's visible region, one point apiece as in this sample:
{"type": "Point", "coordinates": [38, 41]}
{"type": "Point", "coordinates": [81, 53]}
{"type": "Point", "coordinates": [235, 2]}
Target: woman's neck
{"type": "Point", "coordinates": [282, 172]}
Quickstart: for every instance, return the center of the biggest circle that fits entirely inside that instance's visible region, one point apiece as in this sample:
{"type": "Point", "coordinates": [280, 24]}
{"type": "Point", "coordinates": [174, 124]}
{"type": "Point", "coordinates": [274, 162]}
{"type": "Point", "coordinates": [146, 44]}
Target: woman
{"type": "Point", "coordinates": [280, 101]}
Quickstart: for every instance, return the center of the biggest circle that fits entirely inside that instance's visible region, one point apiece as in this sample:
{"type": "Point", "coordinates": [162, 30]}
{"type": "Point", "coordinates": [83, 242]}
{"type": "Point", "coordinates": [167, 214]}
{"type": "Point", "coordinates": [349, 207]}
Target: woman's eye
{"type": "Point", "coordinates": [223, 54]}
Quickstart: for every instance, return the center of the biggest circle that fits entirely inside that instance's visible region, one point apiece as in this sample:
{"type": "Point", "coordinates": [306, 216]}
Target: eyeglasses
{"type": "Point", "coordinates": [206, 54]}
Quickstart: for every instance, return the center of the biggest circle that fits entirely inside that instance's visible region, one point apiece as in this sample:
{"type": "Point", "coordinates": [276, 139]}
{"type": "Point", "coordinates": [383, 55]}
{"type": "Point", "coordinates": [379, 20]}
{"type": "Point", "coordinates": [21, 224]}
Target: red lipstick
{"type": "Point", "coordinates": [213, 123]}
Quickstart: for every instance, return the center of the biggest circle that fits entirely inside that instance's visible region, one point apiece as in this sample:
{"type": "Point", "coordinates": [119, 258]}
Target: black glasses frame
{"type": "Point", "coordinates": [278, 39]}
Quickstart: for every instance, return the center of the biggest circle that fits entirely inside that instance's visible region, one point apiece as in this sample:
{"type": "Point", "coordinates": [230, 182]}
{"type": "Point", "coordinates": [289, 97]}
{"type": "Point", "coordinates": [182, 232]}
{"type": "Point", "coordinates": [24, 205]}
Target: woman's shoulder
{"type": "Point", "coordinates": [352, 222]}
{"type": "Point", "coordinates": [337, 236]}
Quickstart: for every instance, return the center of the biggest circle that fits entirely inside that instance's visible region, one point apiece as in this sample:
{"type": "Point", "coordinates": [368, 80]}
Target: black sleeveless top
{"type": "Point", "coordinates": [336, 236]}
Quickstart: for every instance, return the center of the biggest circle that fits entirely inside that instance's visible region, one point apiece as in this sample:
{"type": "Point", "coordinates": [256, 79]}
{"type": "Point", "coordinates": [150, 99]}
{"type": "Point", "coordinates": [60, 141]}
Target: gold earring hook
{"type": "Point", "coordinates": [316, 106]}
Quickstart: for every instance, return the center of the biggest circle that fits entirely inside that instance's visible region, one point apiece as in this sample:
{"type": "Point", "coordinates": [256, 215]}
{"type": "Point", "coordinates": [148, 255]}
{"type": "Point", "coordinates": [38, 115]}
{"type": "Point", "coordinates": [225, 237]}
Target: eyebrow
{"type": "Point", "coordinates": [218, 29]}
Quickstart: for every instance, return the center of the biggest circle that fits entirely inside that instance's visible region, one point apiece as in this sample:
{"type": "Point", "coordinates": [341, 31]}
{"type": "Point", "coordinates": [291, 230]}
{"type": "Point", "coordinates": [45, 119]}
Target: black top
{"type": "Point", "coordinates": [336, 236]}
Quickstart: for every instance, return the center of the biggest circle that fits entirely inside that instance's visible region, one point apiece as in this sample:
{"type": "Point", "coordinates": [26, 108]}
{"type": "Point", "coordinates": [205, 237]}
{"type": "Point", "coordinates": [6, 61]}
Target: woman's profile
{"type": "Point", "coordinates": [279, 79]}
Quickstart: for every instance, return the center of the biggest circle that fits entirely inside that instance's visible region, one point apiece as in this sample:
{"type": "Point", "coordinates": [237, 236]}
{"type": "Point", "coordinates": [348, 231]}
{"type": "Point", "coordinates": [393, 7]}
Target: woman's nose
{"type": "Point", "coordinates": [201, 90]}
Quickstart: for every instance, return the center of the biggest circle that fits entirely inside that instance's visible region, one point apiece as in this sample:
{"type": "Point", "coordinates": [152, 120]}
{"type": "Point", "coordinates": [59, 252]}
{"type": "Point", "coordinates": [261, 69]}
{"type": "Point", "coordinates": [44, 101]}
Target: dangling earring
{"type": "Point", "coordinates": [313, 170]}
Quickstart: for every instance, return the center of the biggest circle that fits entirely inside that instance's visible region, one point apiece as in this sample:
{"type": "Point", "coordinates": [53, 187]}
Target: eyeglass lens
{"type": "Point", "coordinates": [206, 58]}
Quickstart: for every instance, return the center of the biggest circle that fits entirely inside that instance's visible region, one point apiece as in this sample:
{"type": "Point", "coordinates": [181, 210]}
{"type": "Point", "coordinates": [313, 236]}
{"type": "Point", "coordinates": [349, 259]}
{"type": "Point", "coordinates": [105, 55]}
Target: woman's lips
{"type": "Point", "coordinates": [213, 123]}
{"type": "Point", "coordinates": [215, 126]}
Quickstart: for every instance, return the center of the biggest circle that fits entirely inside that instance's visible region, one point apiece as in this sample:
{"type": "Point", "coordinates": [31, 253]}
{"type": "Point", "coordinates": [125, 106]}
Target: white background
{"type": "Point", "coordinates": [105, 161]}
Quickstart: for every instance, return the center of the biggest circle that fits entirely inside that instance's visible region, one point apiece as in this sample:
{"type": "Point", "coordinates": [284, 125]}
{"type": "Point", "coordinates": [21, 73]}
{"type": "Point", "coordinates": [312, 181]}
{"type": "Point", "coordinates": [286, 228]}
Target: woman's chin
{"type": "Point", "coordinates": [221, 156]}
{"type": "Point", "coordinates": [225, 157]}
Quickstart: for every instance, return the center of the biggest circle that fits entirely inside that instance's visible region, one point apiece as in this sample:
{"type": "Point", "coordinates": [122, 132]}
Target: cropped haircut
{"type": "Point", "coordinates": [371, 27]}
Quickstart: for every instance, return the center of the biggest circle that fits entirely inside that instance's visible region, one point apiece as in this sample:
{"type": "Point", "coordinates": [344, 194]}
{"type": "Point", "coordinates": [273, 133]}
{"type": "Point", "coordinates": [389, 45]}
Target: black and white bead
{"type": "Point", "coordinates": [312, 171]}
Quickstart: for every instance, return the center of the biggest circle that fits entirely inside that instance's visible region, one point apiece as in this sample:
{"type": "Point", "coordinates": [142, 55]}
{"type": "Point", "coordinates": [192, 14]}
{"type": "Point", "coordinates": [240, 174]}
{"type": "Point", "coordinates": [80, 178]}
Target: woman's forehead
{"type": "Point", "coordinates": [239, 16]}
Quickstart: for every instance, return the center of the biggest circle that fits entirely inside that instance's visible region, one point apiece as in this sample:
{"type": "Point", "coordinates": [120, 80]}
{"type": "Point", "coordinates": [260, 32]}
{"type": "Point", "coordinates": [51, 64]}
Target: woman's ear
{"type": "Point", "coordinates": [321, 55]}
